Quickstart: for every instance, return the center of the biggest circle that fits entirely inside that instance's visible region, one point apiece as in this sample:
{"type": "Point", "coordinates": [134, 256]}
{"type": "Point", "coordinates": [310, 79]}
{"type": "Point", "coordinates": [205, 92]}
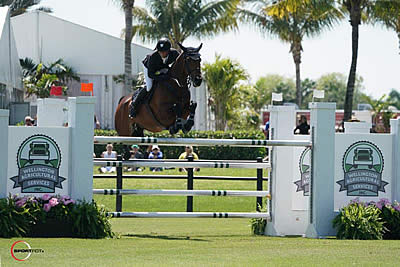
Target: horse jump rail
{"type": "Point", "coordinates": [199, 141]}
{"type": "Point", "coordinates": [162, 192]}
{"type": "Point", "coordinates": [189, 214]}
{"type": "Point", "coordinates": [182, 164]}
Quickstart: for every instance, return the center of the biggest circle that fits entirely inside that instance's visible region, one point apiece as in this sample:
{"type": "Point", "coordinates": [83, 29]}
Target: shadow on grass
{"type": "Point", "coordinates": [165, 237]}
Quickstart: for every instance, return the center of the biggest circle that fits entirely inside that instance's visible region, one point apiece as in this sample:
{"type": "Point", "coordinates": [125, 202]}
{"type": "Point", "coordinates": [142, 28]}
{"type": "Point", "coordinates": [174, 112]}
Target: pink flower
{"type": "Point", "coordinates": [46, 197]}
{"type": "Point", "coordinates": [46, 207]}
{"type": "Point", "coordinates": [53, 202]}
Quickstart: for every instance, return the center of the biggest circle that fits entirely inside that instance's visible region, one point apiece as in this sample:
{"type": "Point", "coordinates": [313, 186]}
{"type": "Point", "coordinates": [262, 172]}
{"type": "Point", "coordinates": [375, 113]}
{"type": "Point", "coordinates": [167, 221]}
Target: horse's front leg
{"type": "Point", "coordinates": [179, 123]}
{"type": "Point", "coordinates": [190, 122]}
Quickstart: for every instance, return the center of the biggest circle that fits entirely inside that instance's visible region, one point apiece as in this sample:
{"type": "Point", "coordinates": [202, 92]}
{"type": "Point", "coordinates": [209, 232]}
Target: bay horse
{"type": "Point", "coordinates": [167, 106]}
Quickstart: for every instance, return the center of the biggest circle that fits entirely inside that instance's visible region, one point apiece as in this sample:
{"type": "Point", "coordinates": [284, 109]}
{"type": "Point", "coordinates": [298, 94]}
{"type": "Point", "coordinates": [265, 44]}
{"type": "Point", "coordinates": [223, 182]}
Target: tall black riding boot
{"type": "Point", "coordinates": [136, 101]}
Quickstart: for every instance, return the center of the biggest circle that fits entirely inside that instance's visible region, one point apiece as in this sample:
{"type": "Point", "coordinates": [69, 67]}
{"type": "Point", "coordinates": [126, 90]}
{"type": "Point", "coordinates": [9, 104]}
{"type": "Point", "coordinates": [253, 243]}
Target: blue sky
{"type": "Point", "coordinates": [378, 62]}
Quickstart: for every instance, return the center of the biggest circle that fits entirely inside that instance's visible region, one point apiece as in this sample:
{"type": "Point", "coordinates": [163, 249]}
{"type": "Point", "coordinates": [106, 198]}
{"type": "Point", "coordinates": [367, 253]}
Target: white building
{"type": "Point", "coordinates": [11, 89]}
{"type": "Point", "coordinates": [96, 57]}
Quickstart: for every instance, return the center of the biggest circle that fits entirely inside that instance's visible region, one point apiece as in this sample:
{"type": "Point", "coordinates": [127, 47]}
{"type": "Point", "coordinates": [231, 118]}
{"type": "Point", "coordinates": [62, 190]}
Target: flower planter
{"type": "Point", "coordinates": [52, 228]}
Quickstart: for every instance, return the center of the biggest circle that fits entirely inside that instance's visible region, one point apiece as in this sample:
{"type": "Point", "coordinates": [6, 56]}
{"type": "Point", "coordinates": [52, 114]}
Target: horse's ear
{"type": "Point", "coordinates": [182, 47]}
{"type": "Point", "coordinates": [198, 49]}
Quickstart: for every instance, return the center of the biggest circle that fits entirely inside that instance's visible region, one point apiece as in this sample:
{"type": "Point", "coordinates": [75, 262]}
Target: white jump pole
{"type": "Point", "coordinates": [4, 117]}
{"type": "Point", "coordinates": [189, 215]}
{"type": "Point", "coordinates": [162, 192]}
{"type": "Point", "coordinates": [198, 141]}
{"type": "Point", "coordinates": [181, 164]}
{"type": "Point", "coordinates": [322, 182]}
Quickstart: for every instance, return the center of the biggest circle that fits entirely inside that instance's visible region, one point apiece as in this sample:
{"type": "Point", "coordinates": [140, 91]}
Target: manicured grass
{"type": "Point", "coordinates": [202, 242]}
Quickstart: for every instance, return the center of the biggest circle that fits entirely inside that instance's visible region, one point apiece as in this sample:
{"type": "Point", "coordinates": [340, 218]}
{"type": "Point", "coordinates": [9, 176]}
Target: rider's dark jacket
{"type": "Point", "coordinates": [153, 62]}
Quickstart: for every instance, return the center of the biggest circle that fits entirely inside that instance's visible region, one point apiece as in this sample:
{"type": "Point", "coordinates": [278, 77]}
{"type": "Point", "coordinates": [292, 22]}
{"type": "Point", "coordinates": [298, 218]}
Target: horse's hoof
{"type": "Point", "coordinates": [173, 130]}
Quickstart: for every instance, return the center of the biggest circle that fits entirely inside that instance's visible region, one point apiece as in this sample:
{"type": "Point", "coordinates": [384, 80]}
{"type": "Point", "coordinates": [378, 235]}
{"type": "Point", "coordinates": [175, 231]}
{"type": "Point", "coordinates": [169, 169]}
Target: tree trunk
{"type": "Point", "coordinates": [296, 52]}
{"type": "Point", "coordinates": [128, 7]}
{"type": "Point", "coordinates": [355, 19]}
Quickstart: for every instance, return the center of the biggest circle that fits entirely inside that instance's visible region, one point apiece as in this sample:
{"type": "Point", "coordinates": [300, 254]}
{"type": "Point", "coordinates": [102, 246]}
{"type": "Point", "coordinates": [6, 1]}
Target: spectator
{"type": "Point", "coordinates": [155, 154]}
{"type": "Point", "coordinates": [108, 154]}
{"type": "Point", "coordinates": [29, 121]}
{"type": "Point", "coordinates": [96, 122]}
{"type": "Point", "coordinates": [188, 152]}
{"type": "Point", "coordinates": [266, 130]}
{"type": "Point", "coordinates": [148, 151]}
{"type": "Point", "coordinates": [303, 126]}
{"type": "Point", "coordinates": [136, 154]}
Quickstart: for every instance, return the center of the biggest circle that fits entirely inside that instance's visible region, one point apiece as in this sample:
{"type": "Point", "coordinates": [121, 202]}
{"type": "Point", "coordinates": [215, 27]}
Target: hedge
{"type": "Point", "coordinates": [204, 152]}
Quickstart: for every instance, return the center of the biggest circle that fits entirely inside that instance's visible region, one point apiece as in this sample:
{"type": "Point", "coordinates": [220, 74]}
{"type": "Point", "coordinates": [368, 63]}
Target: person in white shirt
{"type": "Point", "coordinates": [108, 154]}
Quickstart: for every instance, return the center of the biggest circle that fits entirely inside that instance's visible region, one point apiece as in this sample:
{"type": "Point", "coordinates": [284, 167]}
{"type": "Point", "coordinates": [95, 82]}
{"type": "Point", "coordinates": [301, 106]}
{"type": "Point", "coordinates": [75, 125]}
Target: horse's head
{"type": "Point", "coordinates": [192, 63]}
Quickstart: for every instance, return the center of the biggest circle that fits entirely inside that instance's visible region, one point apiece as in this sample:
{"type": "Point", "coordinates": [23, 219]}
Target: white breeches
{"type": "Point", "coordinates": [149, 81]}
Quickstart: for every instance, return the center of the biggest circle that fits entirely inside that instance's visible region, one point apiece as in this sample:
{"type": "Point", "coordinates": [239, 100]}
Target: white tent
{"type": "Point", "coordinates": [10, 69]}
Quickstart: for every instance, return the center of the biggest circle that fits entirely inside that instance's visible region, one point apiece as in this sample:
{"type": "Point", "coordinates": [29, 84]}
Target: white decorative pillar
{"type": "Point", "coordinates": [322, 182]}
{"type": "Point", "coordinates": [80, 119]}
{"type": "Point", "coordinates": [284, 219]}
{"type": "Point", "coordinates": [4, 117]}
{"type": "Point", "coordinates": [395, 130]}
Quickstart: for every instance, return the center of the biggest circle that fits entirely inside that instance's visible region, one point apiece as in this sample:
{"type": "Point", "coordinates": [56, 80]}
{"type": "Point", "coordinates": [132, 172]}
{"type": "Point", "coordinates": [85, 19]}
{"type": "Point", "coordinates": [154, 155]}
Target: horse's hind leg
{"type": "Point", "coordinates": [190, 122]}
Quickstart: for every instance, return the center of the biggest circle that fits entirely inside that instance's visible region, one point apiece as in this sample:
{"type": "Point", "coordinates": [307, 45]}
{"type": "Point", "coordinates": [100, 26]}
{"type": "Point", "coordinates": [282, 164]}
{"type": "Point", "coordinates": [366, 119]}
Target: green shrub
{"type": "Point", "coordinates": [23, 216]}
{"type": "Point", "coordinates": [390, 214]}
{"type": "Point", "coordinates": [15, 220]}
{"type": "Point", "coordinates": [91, 221]}
{"type": "Point", "coordinates": [258, 225]}
{"type": "Point", "coordinates": [359, 221]}
{"type": "Point", "coordinates": [204, 152]}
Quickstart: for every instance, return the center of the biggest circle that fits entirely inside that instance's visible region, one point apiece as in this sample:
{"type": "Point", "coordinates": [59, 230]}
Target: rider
{"type": "Point", "coordinates": [156, 67]}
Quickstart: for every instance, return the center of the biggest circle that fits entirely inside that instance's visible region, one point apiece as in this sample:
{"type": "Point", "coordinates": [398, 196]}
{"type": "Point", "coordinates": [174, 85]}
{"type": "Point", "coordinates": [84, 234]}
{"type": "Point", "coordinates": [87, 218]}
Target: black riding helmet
{"type": "Point", "coordinates": [163, 44]}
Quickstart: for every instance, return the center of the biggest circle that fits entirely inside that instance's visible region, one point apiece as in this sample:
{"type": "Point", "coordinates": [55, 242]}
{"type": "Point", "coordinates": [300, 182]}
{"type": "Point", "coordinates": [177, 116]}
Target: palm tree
{"type": "Point", "coordinates": [223, 79]}
{"type": "Point", "coordinates": [180, 19]}
{"type": "Point", "coordinates": [19, 7]}
{"type": "Point", "coordinates": [291, 21]}
{"type": "Point", "coordinates": [389, 16]}
{"type": "Point", "coordinates": [127, 6]}
{"type": "Point", "coordinates": [368, 11]}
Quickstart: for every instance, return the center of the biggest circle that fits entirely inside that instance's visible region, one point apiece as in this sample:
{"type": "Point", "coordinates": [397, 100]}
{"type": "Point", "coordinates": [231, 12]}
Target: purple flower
{"type": "Point", "coordinates": [34, 201]}
{"type": "Point", "coordinates": [46, 197]}
{"type": "Point", "coordinates": [53, 202]}
{"type": "Point", "coordinates": [379, 205]}
{"type": "Point", "coordinates": [397, 207]}
{"type": "Point", "coordinates": [20, 202]}
{"type": "Point", "coordinates": [46, 207]}
{"type": "Point", "coordinates": [66, 202]}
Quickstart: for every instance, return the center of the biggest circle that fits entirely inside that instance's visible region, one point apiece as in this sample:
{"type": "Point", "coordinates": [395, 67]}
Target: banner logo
{"type": "Point", "coordinates": [363, 166]}
{"type": "Point", "coordinates": [305, 171]}
{"type": "Point", "coordinates": [39, 160]}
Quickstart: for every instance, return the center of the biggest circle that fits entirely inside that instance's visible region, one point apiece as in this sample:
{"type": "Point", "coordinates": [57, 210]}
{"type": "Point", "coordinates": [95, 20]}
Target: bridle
{"type": "Point", "coordinates": [195, 57]}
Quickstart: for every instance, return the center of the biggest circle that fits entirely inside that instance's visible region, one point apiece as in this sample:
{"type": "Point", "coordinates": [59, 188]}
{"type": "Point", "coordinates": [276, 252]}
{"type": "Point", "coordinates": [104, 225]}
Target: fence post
{"type": "Point", "coordinates": [189, 200]}
{"type": "Point", "coordinates": [118, 202]}
{"type": "Point", "coordinates": [259, 203]}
